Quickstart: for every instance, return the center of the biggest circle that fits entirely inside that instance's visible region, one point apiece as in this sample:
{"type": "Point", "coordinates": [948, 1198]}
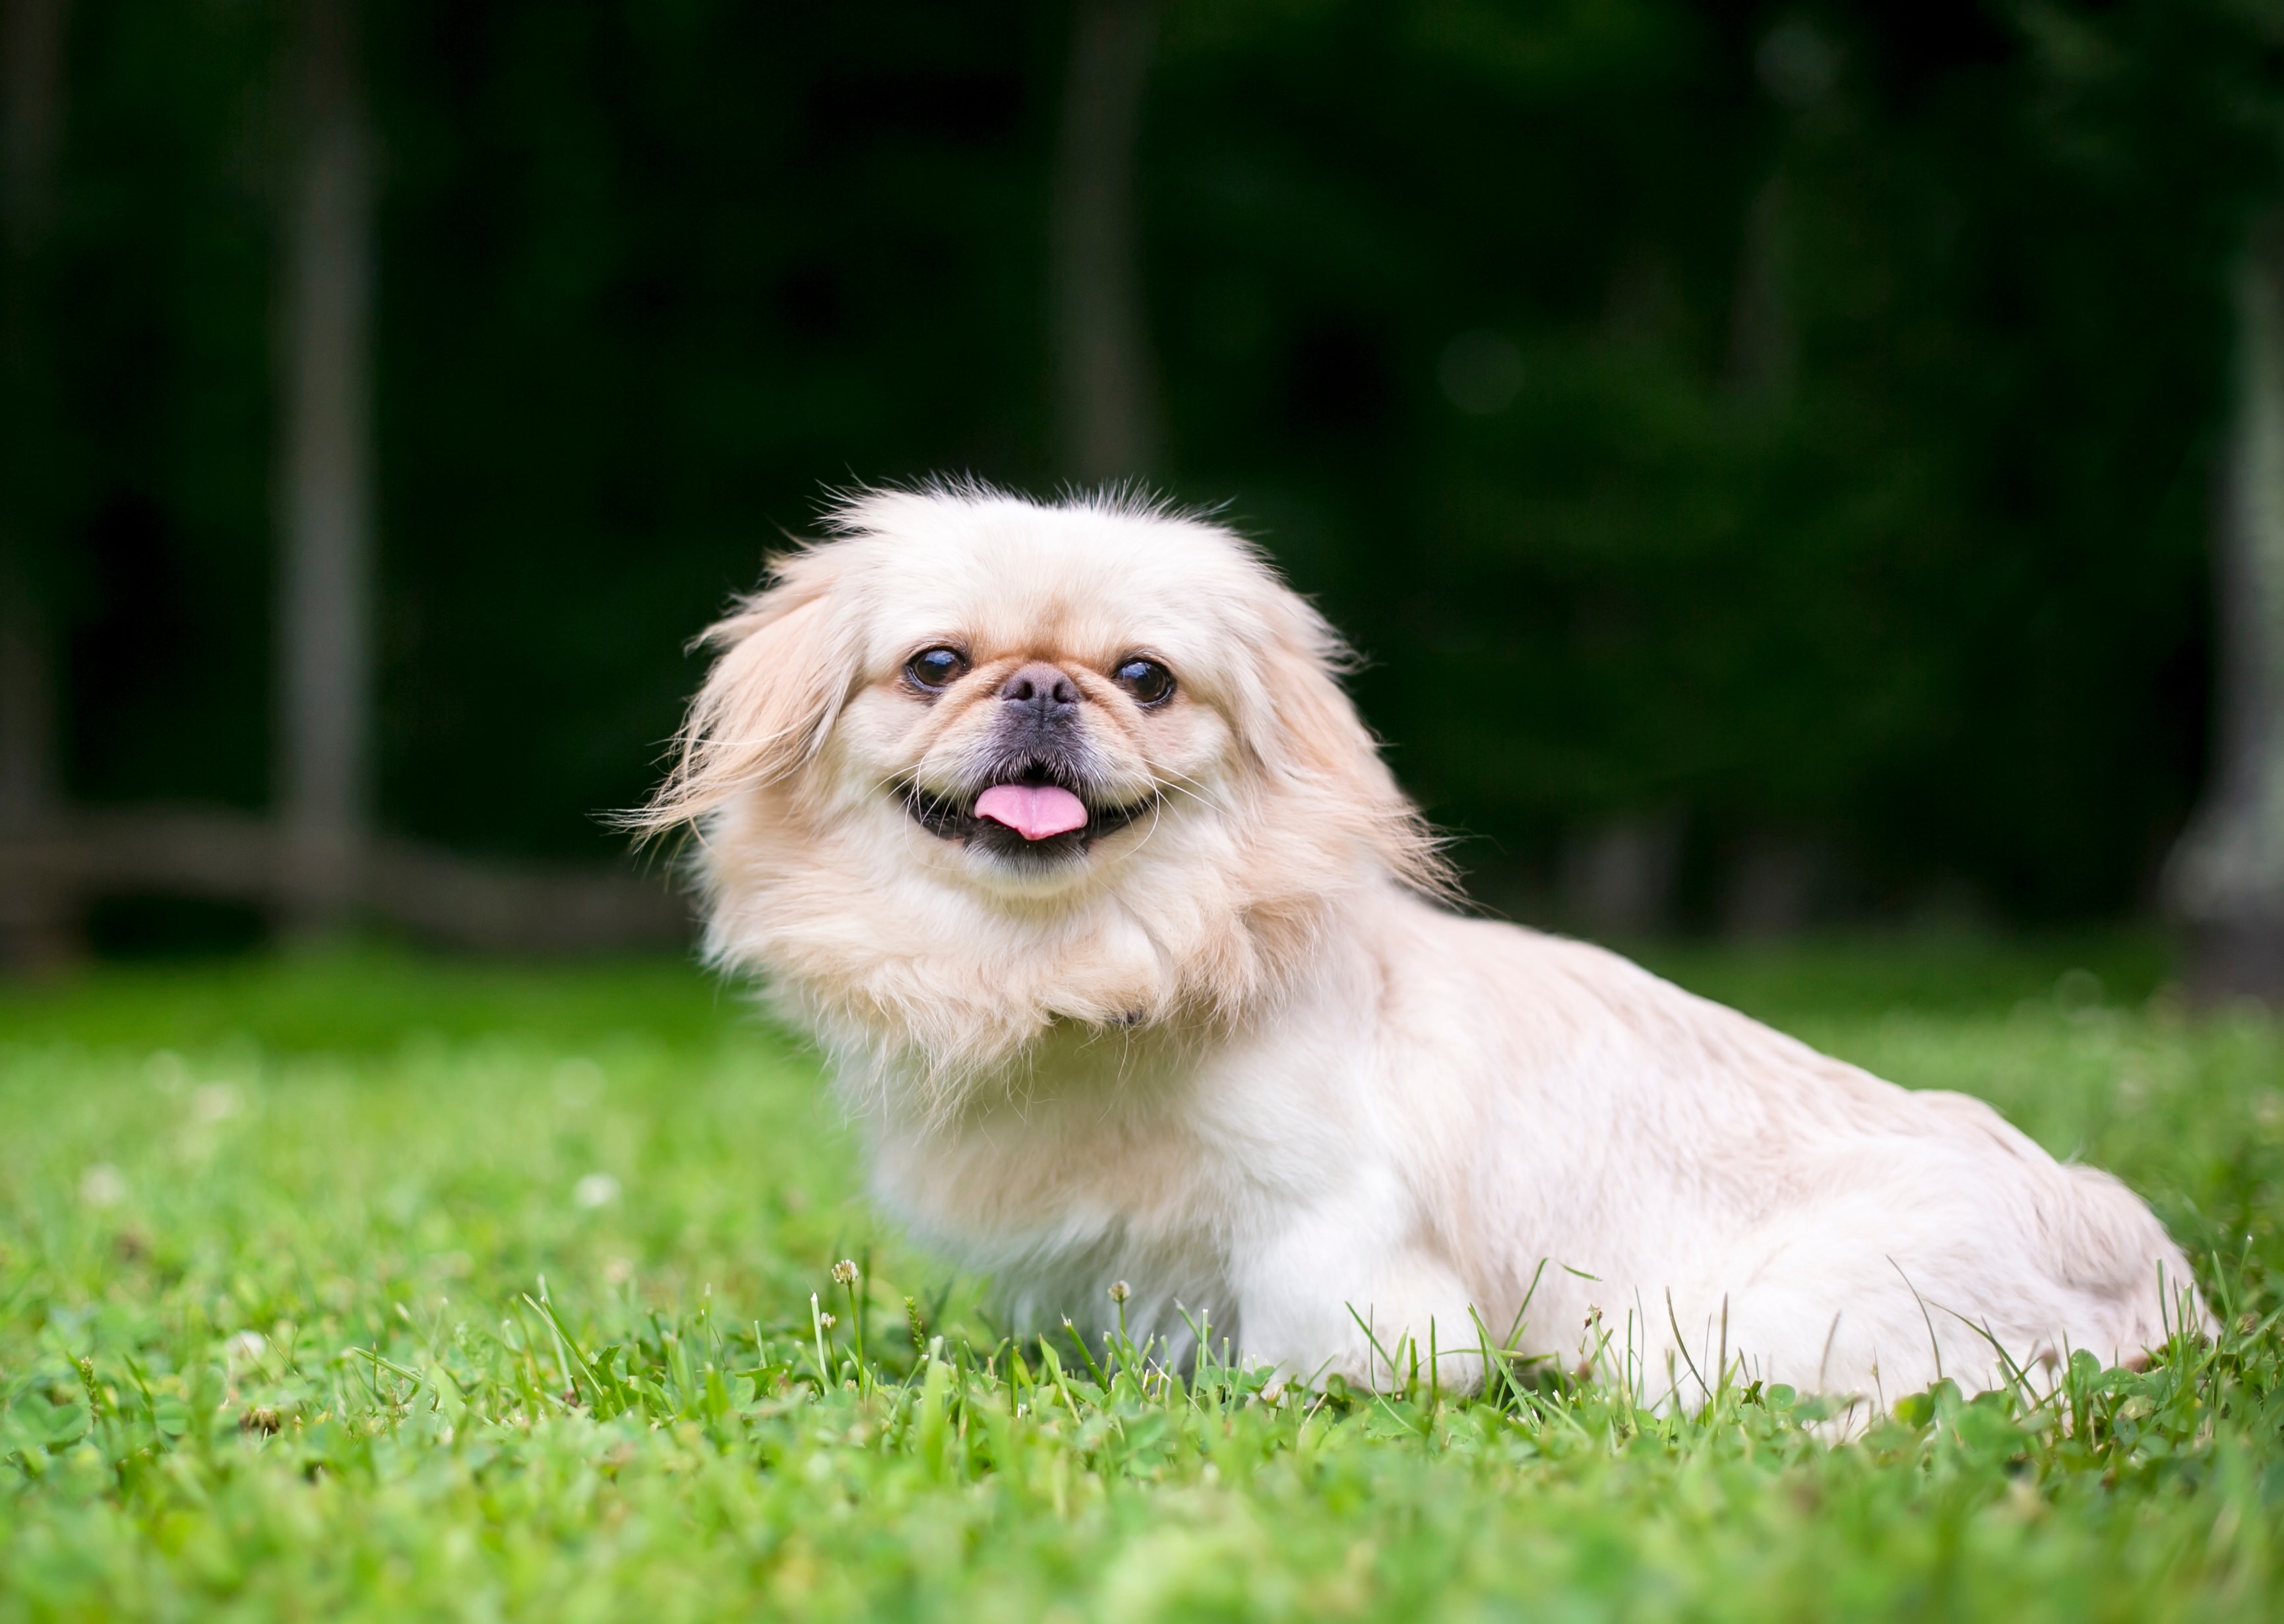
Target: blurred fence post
{"type": "Point", "coordinates": [1101, 347]}
{"type": "Point", "coordinates": [2224, 881]}
{"type": "Point", "coordinates": [35, 915]}
{"type": "Point", "coordinates": [324, 632]}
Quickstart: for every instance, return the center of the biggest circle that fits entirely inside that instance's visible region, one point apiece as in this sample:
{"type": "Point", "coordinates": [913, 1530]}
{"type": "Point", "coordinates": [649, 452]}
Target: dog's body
{"type": "Point", "coordinates": [1053, 827]}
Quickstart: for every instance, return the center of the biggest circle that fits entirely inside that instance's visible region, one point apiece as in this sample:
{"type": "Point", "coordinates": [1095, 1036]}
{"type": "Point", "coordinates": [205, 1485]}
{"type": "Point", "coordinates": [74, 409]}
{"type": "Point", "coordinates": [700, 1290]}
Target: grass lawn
{"type": "Point", "coordinates": [377, 1286]}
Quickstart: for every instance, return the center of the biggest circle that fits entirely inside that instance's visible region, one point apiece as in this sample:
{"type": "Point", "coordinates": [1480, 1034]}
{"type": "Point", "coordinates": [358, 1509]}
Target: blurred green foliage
{"type": "Point", "coordinates": [1793, 419]}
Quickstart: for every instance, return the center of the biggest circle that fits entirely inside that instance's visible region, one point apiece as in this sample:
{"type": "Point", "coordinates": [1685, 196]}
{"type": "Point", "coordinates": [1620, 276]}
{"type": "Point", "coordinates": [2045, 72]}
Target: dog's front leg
{"type": "Point", "coordinates": [1334, 1293]}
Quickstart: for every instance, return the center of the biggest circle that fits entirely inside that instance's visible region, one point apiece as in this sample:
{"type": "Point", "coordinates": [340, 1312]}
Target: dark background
{"type": "Point", "coordinates": [1765, 451]}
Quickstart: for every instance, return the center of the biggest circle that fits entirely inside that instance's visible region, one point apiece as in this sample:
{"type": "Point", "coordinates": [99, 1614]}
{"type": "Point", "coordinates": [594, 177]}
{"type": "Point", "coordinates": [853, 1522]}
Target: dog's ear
{"type": "Point", "coordinates": [787, 665]}
{"type": "Point", "coordinates": [1304, 730]}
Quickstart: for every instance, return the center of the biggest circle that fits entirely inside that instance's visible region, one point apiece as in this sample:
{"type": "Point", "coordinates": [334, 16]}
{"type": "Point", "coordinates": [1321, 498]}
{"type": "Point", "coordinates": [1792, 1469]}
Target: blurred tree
{"type": "Point", "coordinates": [1790, 419]}
{"type": "Point", "coordinates": [324, 609]}
{"type": "Point", "coordinates": [655, 277]}
{"type": "Point", "coordinates": [33, 929]}
{"type": "Point", "coordinates": [1763, 447]}
{"type": "Point", "coordinates": [1102, 358]}
{"type": "Point", "coordinates": [2227, 878]}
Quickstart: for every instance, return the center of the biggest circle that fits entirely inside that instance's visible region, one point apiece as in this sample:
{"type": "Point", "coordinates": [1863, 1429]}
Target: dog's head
{"type": "Point", "coordinates": [1088, 761]}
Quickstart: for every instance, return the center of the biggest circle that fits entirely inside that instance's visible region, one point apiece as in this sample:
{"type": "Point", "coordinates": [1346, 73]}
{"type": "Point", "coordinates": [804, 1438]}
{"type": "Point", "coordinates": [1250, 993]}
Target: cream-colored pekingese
{"type": "Point", "coordinates": [1054, 827]}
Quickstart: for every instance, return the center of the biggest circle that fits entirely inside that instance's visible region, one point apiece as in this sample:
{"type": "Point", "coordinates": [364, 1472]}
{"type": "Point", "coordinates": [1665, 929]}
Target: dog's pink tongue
{"type": "Point", "coordinates": [1035, 812]}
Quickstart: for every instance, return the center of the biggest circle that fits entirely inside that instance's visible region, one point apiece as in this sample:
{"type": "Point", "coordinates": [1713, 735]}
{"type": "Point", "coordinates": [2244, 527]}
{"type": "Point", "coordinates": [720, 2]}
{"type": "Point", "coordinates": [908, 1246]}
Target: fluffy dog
{"type": "Point", "coordinates": [1054, 826]}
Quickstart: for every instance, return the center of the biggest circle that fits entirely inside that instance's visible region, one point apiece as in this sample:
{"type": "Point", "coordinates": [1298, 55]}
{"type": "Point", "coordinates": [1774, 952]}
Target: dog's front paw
{"type": "Point", "coordinates": [1391, 1352]}
{"type": "Point", "coordinates": [1374, 1347]}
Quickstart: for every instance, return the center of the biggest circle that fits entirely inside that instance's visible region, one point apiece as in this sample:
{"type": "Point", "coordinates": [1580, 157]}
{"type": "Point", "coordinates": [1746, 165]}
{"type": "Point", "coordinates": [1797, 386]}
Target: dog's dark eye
{"type": "Point", "coordinates": [937, 667]}
{"type": "Point", "coordinates": [1150, 682]}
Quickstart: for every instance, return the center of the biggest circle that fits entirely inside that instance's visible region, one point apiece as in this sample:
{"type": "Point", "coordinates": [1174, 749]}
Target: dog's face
{"type": "Point", "coordinates": [1039, 695]}
{"type": "Point", "coordinates": [1024, 743]}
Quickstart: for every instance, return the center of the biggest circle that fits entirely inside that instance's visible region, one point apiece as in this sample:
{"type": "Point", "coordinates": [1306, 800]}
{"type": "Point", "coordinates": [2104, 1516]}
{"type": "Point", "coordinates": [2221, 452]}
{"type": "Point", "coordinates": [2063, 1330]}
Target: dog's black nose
{"type": "Point", "coordinates": [1050, 695]}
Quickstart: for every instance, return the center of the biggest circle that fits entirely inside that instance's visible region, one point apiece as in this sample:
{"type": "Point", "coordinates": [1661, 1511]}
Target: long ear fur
{"type": "Point", "coordinates": [784, 673]}
{"type": "Point", "coordinates": [1313, 739]}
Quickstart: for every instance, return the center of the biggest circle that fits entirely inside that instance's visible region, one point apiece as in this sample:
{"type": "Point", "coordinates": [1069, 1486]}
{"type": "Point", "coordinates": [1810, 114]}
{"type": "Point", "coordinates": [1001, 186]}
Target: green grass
{"type": "Point", "coordinates": [274, 1343]}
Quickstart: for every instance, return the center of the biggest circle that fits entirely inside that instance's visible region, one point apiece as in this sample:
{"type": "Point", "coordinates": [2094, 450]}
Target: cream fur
{"type": "Point", "coordinates": [1236, 1053]}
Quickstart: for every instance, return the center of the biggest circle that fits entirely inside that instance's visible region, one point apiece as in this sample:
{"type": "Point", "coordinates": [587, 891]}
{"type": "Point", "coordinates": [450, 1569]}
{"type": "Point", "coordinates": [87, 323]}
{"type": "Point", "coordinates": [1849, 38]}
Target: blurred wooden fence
{"type": "Point", "coordinates": [48, 877]}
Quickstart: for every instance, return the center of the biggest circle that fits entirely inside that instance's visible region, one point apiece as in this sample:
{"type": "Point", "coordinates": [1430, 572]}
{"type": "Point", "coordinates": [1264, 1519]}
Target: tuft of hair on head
{"type": "Point", "coordinates": [862, 509]}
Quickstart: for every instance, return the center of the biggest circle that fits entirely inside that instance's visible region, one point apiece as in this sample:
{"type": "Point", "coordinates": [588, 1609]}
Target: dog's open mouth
{"type": "Point", "coordinates": [1030, 809]}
